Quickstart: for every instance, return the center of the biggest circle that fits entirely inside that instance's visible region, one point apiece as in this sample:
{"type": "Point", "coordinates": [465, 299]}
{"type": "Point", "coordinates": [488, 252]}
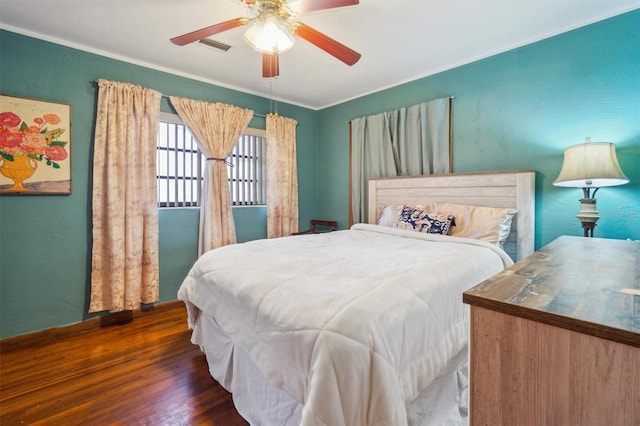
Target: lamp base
{"type": "Point", "coordinates": [588, 215]}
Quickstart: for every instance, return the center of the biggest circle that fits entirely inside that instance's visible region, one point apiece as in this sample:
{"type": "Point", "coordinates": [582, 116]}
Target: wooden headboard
{"type": "Point", "coordinates": [509, 188]}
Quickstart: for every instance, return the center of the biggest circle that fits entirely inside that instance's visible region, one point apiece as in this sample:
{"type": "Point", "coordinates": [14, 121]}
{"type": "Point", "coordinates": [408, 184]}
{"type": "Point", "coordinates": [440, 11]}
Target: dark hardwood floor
{"type": "Point", "coordinates": [145, 372]}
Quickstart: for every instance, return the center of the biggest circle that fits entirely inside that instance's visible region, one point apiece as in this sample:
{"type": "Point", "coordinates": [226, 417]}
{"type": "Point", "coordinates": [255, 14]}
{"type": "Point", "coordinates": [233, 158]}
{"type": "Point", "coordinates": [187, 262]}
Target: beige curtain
{"type": "Point", "coordinates": [282, 177]}
{"type": "Point", "coordinates": [217, 128]}
{"type": "Point", "coordinates": [124, 270]}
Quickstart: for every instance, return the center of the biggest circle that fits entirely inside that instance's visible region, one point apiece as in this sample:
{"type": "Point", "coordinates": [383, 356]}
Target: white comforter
{"type": "Point", "coordinates": [353, 324]}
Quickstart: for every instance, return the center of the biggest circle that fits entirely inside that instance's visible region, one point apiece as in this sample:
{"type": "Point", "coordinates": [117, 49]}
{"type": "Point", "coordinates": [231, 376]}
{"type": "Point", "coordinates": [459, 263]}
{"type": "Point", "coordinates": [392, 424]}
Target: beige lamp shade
{"type": "Point", "coordinates": [591, 164]}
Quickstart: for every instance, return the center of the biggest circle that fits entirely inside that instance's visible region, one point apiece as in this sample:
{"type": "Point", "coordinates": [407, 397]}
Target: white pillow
{"type": "Point", "coordinates": [489, 224]}
{"type": "Point", "coordinates": [389, 214]}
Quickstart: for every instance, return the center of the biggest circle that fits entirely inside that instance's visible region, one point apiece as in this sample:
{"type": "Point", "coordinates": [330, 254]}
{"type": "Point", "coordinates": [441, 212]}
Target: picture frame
{"type": "Point", "coordinates": [35, 146]}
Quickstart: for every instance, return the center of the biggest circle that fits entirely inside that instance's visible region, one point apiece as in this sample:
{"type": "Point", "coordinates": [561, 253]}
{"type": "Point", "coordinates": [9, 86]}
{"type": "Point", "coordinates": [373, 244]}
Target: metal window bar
{"type": "Point", "coordinates": [191, 152]}
{"type": "Point", "coordinates": [182, 171]}
{"type": "Point", "coordinates": [186, 170]}
{"type": "Point", "coordinates": [245, 170]}
{"type": "Point", "coordinates": [254, 168]}
{"type": "Point", "coordinates": [176, 156]}
{"type": "Point", "coordinates": [244, 200]}
{"type": "Point", "coordinates": [250, 168]}
{"type": "Point", "coordinates": [261, 177]}
{"type": "Point", "coordinates": [261, 172]}
{"type": "Point", "coordinates": [237, 178]}
{"type": "Point", "coordinates": [176, 200]}
{"type": "Point", "coordinates": [171, 167]}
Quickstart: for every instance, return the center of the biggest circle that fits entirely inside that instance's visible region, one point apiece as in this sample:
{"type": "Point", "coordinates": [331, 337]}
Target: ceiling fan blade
{"type": "Point", "coordinates": [312, 5]}
{"type": "Point", "coordinates": [270, 65]}
{"type": "Point", "coordinates": [208, 31]}
{"type": "Point", "coordinates": [326, 43]}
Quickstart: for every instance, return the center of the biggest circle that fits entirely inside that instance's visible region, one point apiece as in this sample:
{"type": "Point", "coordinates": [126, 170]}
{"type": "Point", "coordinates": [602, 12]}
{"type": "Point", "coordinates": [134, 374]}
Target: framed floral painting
{"type": "Point", "coordinates": [35, 146]}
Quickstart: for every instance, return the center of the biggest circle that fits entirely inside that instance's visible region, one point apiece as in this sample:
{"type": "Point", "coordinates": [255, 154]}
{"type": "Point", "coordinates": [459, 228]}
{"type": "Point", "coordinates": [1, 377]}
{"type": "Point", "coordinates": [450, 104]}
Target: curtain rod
{"type": "Point", "coordinates": [255, 114]}
{"type": "Point", "coordinates": [449, 97]}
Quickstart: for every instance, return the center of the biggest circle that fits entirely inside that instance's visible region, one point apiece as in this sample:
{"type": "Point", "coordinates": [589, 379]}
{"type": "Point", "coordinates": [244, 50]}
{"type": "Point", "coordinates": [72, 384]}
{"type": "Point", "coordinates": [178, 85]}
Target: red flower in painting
{"type": "Point", "coordinates": [56, 153]}
{"type": "Point", "coordinates": [9, 119]}
{"type": "Point", "coordinates": [10, 139]}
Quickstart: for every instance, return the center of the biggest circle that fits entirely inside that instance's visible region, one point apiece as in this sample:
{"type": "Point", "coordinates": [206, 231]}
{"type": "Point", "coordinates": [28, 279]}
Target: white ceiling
{"type": "Point", "coordinates": [400, 40]}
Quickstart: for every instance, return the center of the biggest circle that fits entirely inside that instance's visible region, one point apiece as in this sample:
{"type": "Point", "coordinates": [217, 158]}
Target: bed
{"type": "Point", "coordinates": [364, 326]}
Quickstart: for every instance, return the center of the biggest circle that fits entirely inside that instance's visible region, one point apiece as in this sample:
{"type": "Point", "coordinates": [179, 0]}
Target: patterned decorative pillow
{"type": "Point", "coordinates": [422, 221]}
{"type": "Point", "coordinates": [390, 213]}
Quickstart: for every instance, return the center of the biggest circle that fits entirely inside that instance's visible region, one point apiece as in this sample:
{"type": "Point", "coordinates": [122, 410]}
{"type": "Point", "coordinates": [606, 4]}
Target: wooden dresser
{"type": "Point", "coordinates": [555, 339]}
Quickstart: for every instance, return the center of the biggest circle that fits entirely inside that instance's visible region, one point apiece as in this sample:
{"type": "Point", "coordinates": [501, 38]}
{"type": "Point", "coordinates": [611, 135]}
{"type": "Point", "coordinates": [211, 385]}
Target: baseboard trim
{"type": "Point", "coordinates": [30, 339]}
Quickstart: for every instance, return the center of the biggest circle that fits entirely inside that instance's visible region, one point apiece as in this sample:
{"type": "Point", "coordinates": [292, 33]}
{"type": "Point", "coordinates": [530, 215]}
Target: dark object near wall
{"type": "Point", "coordinates": [319, 226]}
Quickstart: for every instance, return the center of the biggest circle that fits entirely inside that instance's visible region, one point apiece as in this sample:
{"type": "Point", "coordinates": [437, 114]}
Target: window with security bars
{"type": "Point", "coordinates": [180, 166]}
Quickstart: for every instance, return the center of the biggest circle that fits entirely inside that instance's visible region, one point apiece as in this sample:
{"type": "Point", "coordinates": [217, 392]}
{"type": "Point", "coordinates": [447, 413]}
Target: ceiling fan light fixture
{"type": "Point", "coordinates": [268, 34]}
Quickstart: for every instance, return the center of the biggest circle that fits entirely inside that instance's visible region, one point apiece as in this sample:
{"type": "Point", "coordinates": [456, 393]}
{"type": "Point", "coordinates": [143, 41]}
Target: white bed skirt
{"type": "Point", "coordinates": [444, 402]}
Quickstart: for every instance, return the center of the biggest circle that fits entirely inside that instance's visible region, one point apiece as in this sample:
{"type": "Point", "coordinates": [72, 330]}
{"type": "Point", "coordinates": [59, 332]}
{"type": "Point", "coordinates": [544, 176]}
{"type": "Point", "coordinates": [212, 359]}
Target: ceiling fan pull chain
{"type": "Point", "coordinates": [270, 97]}
{"type": "Point", "coordinates": [275, 101]}
{"type": "Point", "coordinates": [272, 102]}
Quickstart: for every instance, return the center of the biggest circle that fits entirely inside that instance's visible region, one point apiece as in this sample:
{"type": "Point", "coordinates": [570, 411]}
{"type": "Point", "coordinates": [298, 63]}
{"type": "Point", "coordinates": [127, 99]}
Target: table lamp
{"type": "Point", "coordinates": [590, 166]}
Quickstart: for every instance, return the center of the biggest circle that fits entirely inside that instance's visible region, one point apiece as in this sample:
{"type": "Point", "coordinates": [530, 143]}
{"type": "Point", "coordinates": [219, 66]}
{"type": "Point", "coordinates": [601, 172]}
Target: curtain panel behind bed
{"type": "Point", "coordinates": [406, 142]}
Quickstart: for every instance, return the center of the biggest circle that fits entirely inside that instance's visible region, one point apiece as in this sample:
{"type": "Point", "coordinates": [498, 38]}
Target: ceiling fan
{"type": "Point", "coordinates": [270, 28]}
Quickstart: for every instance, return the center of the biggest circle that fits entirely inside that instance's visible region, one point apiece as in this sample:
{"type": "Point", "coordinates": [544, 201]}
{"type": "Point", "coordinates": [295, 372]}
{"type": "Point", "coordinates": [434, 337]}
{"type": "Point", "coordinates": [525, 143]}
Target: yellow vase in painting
{"type": "Point", "coordinates": [18, 170]}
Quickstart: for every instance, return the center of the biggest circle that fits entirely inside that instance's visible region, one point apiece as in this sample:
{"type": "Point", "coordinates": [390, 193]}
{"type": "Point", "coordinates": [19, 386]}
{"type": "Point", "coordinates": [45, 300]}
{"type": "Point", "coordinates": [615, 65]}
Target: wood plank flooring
{"type": "Point", "coordinates": [146, 372]}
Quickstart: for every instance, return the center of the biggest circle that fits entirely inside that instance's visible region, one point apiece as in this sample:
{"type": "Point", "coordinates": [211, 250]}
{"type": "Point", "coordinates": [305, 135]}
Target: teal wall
{"type": "Point", "coordinates": [45, 240]}
{"type": "Point", "coordinates": [519, 110]}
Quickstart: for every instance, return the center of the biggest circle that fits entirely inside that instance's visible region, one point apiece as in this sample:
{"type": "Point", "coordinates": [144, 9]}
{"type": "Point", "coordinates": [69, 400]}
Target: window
{"type": "Point", "coordinates": [180, 166]}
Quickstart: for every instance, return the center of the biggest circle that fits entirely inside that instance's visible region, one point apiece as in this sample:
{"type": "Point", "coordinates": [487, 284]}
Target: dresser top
{"type": "Point", "coordinates": [588, 285]}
